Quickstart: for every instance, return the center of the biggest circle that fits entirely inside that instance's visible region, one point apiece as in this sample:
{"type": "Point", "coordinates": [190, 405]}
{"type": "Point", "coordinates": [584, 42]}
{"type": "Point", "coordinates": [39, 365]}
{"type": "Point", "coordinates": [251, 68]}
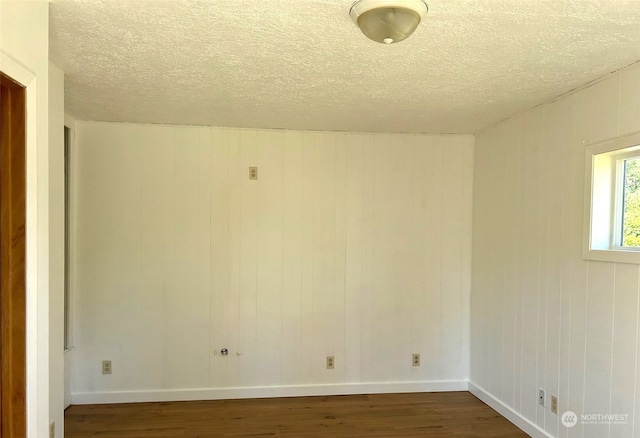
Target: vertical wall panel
{"type": "Point", "coordinates": [401, 272]}
{"type": "Point", "coordinates": [582, 106]}
{"type": "Point", "coordinates": [629, 103]}
{"type": "Point", "coordinates": [382, 323]}
{"type": "Point", "coordinates": [94, 194]}
{"type": "Point", "coordinates": [324, 262]}
{"type": "Point", "coordinates": [452, 260]}
{"type": "Point", "coordinates": [568, 232]}
{"type": "Point", "coordinates": [598, 332]}
{"type": "Point", "coordinates": [531, 277]}
{"type": "Point", "coordinates": [308, 225]}
{"type": "Point", "coordinates": [420, 325]}
{"type": "Point", "coordinates": [556, 137]}
{"type": "Point", "coordinates": [366, 315]}
{"type": "Point", "coordinates": [292, 223]}
{"type": "Point", "coordinates": [467, 226]}
{"type": "Point", "coordinates": [605, 116]}
{"type": "Point", "coordinates": [169, 285]}
{"type": "Point", "coordinates": [512, 295]}
{"type": "Point", "coordinates": [190, 291]}
{"type": "Point", "coordinates": [219, 246]}
{"type": "Point", "coordinates": [479, 275]}
{"type": "Point", "coordinates": [339, 304]}
{"type": "Point", "coordinates": [354, 219]}
{"type": "Point", "coordinates": [517, 144]}
{"type": "Point", "coordinates": [347, 245]}
{"type": "Point", "coordinates": [269, 271]}
{"type": "Point", "coordinates": [433, 267]}
{"type": "Point", "coordinates": [127, 226]}
{"type": "Point", "coordinates": [248, 259]}
{"type": "Point", "coordinates": [156, 176]}
{"type": "Point", "coordinates": [237, 174]}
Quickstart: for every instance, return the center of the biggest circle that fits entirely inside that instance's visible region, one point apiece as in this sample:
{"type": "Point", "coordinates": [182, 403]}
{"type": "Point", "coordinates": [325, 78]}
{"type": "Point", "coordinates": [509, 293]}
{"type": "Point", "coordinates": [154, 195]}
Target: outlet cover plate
{"type": "Point", "coordinates": [330, 362]}
{"type": "Point", "coordinates": [542, 397]}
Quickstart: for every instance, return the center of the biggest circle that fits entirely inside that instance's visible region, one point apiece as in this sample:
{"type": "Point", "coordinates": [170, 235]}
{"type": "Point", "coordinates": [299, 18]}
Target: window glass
{"type": "Point", "coordinates": [631, 203]}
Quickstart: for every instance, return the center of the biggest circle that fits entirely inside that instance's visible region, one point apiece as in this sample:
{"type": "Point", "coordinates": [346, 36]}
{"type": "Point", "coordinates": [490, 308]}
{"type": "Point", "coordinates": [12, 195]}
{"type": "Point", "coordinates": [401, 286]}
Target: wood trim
{"type": "Point", "coordinates": [7, 82]}
{"type": "Point", "coordinates": [12, 258]}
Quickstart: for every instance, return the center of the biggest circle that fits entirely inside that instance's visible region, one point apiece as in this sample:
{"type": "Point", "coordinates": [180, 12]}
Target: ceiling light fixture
{"type": "Point", "coordinates": [388, 21]}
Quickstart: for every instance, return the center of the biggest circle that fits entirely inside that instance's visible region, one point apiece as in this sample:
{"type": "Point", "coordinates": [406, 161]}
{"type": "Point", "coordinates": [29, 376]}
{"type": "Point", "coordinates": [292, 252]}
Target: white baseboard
{"type": "Point", "coordinates": [525, 425]}
{"type": "Point", "coordinates": [85, 398]}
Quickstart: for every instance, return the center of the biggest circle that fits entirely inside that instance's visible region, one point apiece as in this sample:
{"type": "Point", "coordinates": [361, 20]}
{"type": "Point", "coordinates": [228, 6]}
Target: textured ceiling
{"type": "Point", "coordinates": [302, 64]}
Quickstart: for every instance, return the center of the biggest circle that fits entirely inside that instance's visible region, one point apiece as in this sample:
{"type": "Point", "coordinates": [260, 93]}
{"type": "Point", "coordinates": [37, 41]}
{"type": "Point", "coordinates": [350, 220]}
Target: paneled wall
{"type": "Point", "coordinates": [348, 245]}
{"type": "Point", "coordinates": [541, 316]}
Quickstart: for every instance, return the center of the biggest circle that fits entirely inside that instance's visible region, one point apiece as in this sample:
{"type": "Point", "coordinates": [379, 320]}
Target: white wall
{"type": "Point", "coordinates": [351, 245]}
{"type": "Point", "coordinates": [56, 248]}
{"type": "Point", "coordinates": [541, 316]}
{"type": "Point", "coordinates": [24, 55]}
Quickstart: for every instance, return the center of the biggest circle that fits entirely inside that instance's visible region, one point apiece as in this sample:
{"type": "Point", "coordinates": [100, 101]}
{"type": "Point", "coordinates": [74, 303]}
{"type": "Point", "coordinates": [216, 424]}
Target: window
{"type": "Point", "coordinates": [612, 201]}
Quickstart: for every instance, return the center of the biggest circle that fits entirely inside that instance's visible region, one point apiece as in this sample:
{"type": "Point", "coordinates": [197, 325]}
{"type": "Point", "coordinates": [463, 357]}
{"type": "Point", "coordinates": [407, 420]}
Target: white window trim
{"type": "Point", "coordinates": [599, 226]}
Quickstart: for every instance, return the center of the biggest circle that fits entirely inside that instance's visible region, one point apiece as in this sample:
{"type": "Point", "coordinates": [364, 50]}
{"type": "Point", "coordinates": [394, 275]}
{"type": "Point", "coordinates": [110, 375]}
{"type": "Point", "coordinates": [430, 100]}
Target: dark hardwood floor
{"type": "Point", "coordinates": [451, 414]}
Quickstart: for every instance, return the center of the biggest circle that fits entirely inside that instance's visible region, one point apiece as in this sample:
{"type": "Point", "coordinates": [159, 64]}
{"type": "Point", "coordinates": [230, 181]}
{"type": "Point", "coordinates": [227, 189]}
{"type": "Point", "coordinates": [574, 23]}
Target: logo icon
{"type": "Point", "coordinates": [569, 419]}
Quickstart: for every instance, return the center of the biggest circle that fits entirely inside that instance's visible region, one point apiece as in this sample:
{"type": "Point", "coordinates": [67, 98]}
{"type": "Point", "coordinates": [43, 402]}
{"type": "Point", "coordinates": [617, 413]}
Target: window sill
{"type": "Point", "coordinates": [612, 255]}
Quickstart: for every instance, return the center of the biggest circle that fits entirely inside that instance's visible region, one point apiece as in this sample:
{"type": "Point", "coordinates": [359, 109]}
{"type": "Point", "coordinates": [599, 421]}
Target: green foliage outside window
{"type": "Point", "coordinates": [631, 218]}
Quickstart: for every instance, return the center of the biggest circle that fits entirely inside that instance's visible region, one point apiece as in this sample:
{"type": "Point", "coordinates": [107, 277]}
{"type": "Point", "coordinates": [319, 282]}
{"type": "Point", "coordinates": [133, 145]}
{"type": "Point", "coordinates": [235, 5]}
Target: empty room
{"type": "Point", "coordinates": [319, 218]}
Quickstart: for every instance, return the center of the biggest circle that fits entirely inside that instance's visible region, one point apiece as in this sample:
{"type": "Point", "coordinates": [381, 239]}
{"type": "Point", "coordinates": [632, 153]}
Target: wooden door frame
{"type": "Point", "coordinates": [13, 389]}
{"type": "Point", "coordinates": [37, 213]}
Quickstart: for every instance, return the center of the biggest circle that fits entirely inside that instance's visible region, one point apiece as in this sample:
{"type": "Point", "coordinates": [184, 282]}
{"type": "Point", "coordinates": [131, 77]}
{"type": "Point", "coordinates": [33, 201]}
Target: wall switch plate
{"type": "Point", "coordinates": [106, 367]}
{"type": "Point", "coordinates": [330, 362]}
{"type": "Point", "coordinates": [415, 360]}
{"type": "Point", "coordinates": [52, 430]}
{"type": "Point", "coordinates": [554, 404]}
{"type": "Point", "coordinates": [542, 397]}
{"type": "Point", "coordinates": [253, 172]}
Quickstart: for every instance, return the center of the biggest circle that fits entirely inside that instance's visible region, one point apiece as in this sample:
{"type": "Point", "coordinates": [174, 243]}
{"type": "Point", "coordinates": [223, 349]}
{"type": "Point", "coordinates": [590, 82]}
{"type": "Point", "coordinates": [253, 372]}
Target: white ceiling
{"type": "Point", "coordinates": [302, 64]}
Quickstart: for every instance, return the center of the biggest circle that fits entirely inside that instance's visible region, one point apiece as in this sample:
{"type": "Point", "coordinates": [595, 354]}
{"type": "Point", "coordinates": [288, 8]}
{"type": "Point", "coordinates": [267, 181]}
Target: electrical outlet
{"type": "Point", "coordinates": [52, 430]}
{"type": "Point", "coordinates": [415, 360]}
{"type": "Point", "coordinates": [542, 397]}
{"type": "Point", "coordinates": [554, 404]}
{"type": "Point", "coordinates": [253, 173]}
{"type": "Point", "coordinates": [330, 362]}
{"type": "Point", "coordinates": [106, 367]}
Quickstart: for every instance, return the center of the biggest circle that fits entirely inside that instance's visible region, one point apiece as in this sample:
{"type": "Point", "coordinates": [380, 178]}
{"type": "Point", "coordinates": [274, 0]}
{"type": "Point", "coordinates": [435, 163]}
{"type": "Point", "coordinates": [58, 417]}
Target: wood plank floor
{"type": "Point", "coordinates": [451, 414]}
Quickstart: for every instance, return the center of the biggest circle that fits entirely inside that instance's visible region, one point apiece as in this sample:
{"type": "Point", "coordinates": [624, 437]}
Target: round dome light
{"type": "Point", "coordinates": [388, 21]}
